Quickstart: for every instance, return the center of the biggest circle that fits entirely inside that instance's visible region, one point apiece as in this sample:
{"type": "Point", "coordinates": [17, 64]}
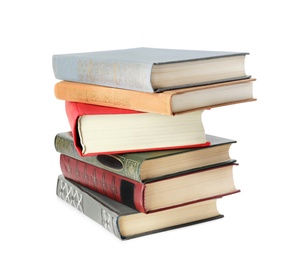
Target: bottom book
{"type": "Point", "coordinates": [126, 223]}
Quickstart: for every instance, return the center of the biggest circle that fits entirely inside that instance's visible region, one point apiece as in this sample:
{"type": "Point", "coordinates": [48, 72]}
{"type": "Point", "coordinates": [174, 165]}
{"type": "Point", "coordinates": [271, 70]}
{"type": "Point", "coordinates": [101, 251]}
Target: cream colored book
{"type": "Point", "coordinates": [108, 130]}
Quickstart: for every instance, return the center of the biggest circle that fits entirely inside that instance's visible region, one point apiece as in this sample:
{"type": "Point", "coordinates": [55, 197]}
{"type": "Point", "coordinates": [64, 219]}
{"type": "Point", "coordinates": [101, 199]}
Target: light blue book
{"type": "Point", "coordinates": [150, 69]}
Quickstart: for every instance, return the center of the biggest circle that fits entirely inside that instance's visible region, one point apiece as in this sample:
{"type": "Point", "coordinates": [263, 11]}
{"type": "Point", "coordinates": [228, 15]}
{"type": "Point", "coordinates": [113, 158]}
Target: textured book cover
{"type": "Point", "coordinates": [116, 187]}
{"type": "Point", "coordinates": [144, 197]}
{"type": "Point", "coordinates": [132, 165]}
{"type": "Point", "coordinates": [169, 102]}
{"type": "Point", "coordinates": [126, 223]}
{"type": "Point", "coordinates": [132, 68]}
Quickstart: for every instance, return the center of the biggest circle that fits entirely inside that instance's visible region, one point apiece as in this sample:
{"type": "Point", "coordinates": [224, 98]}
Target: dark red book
{"type": "Point", "coordinates": [108, 130]}
{"type": "Point", "coordinates": [209, 183]}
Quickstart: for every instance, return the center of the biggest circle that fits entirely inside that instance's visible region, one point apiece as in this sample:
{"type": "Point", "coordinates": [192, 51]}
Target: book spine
{"type": "Point", "coordinates": [118, 74]}
{"type": "Point", "coordinates": [63, 143]}
{"type": "Point", "coordinates": [114, 186]}
{"type": "Point", "coordinates": [105, 96]}
{"type": "Point", "coordinates": [72, 116]}
{"type": "Point", "coordinates": [75, 110]}
{"type": "Point", "coordinates": [119, 164]}
{"type": "Point", "coordinates": [88, 206]}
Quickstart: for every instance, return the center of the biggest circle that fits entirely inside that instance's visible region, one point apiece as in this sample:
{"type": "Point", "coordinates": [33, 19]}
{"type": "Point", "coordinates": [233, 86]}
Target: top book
{"type": "Point", "coordinates": [150, 69]}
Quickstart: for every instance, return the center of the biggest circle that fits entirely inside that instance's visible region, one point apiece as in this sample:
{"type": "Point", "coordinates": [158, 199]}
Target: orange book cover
{"type": "Point", "coordinates": [161, 103]}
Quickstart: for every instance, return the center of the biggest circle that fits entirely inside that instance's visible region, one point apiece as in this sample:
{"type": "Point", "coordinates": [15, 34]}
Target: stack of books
{"type": "Point", "coordinates": [137, 158]}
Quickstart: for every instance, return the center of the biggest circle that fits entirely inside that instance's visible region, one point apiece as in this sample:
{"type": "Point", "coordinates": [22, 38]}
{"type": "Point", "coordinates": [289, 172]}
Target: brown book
{"type": "Point", "coordinates": [169, 102]}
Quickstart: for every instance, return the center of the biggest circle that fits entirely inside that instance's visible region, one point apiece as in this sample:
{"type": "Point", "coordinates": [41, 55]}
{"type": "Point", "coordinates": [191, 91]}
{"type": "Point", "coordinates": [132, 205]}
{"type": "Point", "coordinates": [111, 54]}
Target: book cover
{"type": "Point", "coordinates": [136, 68]}
{"type": "Point", "coordinates": [126, 223]}
{"type": "Point", "coordinates": [169, 102]}
{"type": "Point", "coordinates": [116, 187]}
{"type": "Point", "coordinates": [136, 166]}
{"type": "Point", "coordinates": [139, 195]}
{"type": "Point", "coordinates": [120, 130]}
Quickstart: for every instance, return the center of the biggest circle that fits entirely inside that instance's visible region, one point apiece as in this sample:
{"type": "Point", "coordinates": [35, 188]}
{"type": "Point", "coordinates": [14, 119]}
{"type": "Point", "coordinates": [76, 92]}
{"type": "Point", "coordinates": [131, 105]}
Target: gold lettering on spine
{"type": "Point", "coordinates": [84, 70]}
{"type": "Point", "coordinates": [108, 222]}
{"type": "Point", "coordinates": [131, 168]}
{"type": "Point", "coordinates": [116, 69]}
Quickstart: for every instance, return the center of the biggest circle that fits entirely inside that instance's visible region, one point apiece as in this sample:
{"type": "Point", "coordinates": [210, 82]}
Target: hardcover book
{"type": "Point", "coordinates": [150, 69]}
{"type": "Point", "coordinates": [169, 102]}
{"type": "Point", "coordinates": [126, 223]}
{"type": "Point", "coordinates": [152, 196]}
{"type": "Point", "coordinates": [107, 130]}
{"type": "Point", "coordinates": [143, 166]}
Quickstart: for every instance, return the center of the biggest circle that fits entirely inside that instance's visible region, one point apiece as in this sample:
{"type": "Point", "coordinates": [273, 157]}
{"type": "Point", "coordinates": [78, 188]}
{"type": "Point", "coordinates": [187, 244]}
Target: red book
{"type": "Point", "coordinates": [153, 196]}
{"type": "Point", "coordinates": [108, 130]}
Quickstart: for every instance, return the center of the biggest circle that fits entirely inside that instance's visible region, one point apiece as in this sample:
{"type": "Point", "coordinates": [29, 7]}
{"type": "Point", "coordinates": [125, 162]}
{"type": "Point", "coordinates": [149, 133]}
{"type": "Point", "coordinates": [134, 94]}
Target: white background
{"type": "Point", "coordinates": [261, 222]}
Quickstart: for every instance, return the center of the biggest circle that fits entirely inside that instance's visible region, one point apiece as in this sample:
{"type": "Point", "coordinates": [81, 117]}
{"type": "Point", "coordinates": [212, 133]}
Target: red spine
{"type": "Point", "coordinates": [112, 185]}
{"type": "Point", "coordinates": [74, 110]}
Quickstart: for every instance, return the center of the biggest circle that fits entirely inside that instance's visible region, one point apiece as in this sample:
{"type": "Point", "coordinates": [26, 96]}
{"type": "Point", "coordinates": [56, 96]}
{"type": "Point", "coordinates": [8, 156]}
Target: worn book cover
{"type": "Point", "coordinates": [125, 222]}
{"type": "Point", "coordinates": [142, 166]}
{"type": "Point", "coordinates": [142, 69]}
{"type": "Point", "coordinates": [146, 197]}
{"type": "Point", "coordinates": [169, 102]}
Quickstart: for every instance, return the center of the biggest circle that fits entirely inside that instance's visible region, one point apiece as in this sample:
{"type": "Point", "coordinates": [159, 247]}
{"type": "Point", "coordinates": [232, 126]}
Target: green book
{"type": "Point", "coordinates": [149, 166]}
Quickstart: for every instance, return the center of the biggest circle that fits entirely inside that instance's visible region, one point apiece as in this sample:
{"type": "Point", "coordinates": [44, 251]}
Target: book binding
{"type": "Point", "coordinates": [85, 204]}
{"type": "Point", "coordinates": [104, 211]}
